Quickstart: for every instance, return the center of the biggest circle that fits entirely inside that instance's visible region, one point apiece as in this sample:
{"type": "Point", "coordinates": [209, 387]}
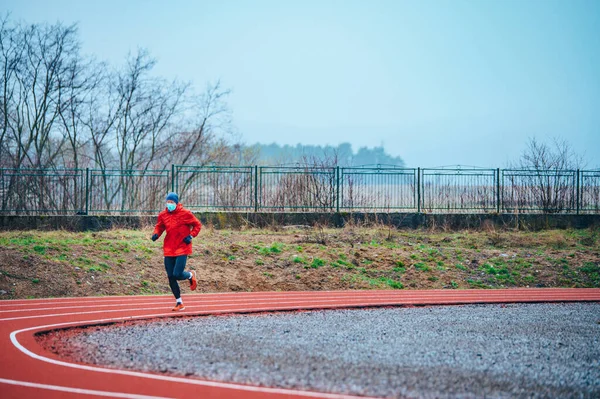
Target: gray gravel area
{"type": "Point", "coordinates": [474, 351]}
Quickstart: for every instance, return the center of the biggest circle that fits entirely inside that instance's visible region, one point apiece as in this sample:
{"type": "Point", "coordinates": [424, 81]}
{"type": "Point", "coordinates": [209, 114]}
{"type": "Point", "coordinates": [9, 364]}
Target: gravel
{"type": "Point", "coordinates": [496, 351]}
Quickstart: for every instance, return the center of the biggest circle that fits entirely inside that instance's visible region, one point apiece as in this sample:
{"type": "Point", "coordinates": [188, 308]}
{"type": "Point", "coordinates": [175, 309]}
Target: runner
{"type": "Point", "coordinates": [181, 226]}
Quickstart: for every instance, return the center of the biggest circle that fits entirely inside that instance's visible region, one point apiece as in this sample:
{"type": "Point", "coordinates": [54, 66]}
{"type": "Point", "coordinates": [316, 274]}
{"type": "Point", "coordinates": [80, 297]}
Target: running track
{"type": "Point", "coordinates": [27, 371]}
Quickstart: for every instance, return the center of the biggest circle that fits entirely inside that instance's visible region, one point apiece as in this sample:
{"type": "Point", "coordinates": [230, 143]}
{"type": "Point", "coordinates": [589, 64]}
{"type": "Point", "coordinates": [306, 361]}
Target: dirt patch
{"type": "Point", "coordinates": [39, 264]}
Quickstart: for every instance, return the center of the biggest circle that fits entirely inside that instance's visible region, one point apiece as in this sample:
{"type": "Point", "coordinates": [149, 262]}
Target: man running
{"type": "Point", "coordinates": [181, 226]}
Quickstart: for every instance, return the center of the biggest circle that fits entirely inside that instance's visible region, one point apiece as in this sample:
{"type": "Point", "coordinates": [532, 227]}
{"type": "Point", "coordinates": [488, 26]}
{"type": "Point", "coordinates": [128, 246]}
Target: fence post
{"type": "Point", "coordinates": [87, 190]}
{"type": "Point", "coordinates": [173, 177]}
{"type": "Point", "coordinates": [255, 188]}
{"type": "Point", "coordinates": [337, 198]}
{"type": "Point", "coordinates": [419, 190]}
{"type": "Point", "coordinates": [578, 198]}
{"type": "Point", "coordinates": [497, 190]}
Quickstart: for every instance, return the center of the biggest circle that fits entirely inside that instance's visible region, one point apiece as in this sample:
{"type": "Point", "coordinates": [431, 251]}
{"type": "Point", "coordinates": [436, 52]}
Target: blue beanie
{"type": "Point", "coordinates": [173, 197]}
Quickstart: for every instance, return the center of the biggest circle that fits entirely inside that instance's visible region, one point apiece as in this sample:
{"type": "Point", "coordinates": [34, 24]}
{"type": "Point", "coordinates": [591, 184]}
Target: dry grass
{"type": "Point", "coordinates": [126, 262]}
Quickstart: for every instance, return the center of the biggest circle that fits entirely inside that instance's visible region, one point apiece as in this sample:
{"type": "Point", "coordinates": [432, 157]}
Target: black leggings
{"type": "Point", "coordinates": [175, 266]}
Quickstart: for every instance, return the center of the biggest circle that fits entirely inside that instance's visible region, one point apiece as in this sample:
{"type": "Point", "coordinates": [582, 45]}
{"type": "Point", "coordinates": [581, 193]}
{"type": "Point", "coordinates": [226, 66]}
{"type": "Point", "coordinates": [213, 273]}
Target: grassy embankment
{"type": "Point", "coordinates": [37, 264]}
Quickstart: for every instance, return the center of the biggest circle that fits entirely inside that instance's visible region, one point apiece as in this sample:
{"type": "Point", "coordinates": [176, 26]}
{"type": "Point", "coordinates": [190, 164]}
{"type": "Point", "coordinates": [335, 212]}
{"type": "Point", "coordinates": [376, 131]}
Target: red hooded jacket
{"type": "Point", "coordinates": [179, 224]}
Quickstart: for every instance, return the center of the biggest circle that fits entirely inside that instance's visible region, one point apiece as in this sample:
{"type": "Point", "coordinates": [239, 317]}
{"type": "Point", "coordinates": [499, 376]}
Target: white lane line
{"type": "Point", "coordinates": [188, 300]}
{"type": "Point", "coordinates": [298, 302]}
{"type": "Point", "coordinates": [201, 300]}
{"type": "Point", "coordinates": [240, 296]}
{"type": "Point", "coordinates": [257, 295]}
{"type": "Point", "coordinates": [16, 343]}
{"type": "Point", "coordinates": [26, 302]}
{"type": "Point", "coordinates": [237, 295]}
{"type": "Point", "coordinates": [215, 384]}
{"type": "Point", "coordinates": [391, 300]}
{"type": "Point", "coordinates": [79, 391]}
{"type": "Point", "coordinates": [91, 298]}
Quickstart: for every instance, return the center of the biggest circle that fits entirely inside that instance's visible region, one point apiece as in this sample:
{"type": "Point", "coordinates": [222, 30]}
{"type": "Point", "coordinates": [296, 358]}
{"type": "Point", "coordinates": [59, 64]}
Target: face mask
{"type": "Point", "coordinates": [171, 207]}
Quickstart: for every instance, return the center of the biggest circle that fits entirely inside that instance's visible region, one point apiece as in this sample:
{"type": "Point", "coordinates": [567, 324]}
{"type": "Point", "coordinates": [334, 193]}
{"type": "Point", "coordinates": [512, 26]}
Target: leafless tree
{"type": "Point", "coordinates": [543, 178]}
{"type": "Point", "coordinates": [11, 53]}
{"type": "Point", "coordinates": [48, 51]}
{"type": "Point", "coordinates": [35, 62]}
{"type": "Point", "coordinates": [203, 141]}
{"type": "Point", "coordinates": [148, 107]}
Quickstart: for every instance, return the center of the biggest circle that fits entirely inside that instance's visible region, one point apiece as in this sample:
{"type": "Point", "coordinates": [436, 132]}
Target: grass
{"type": "Point", "coordinates": [341, 262]}
{"type": "Point", "coordinates": [299, 259]}
{"type": "Point", "coordinates": [39, 249]}
{"type": "Point", "coordinates": [477, 284]}
{"type": "Point", "coordinates": [380, 282]}
{"type": "Point", "coordinates": [592, 271]}
{"type": "Point", "coordinates": [357, 257]}
{"type": "Point", "coordinates": [316, 263]}
{"type": "Point", "coordinates": [422, 267]}
{"type": "Point", "coordinates": [275, 248]}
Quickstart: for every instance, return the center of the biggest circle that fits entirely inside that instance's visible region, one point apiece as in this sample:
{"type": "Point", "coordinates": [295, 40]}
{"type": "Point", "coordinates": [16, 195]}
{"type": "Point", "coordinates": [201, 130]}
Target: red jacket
{"type": "Point", "coordinates": [179, 224]}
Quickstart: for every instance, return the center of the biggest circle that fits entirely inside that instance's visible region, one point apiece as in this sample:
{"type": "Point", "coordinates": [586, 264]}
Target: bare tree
{"type": "Point", "coordinates": [61, 112]}
{"type": "Point", "coordinates": [11, 53]}
{"type": "Point", "coordinates": [34, 63]}
{"type": "Point", "coordinates": [558, 155]}
{"type": "Point", "coordinates": [148, 107]}
{"type": "Point", "coordinates": [543, 178]}
{"type": "Point", "coordinates": [199, 143]}
{"type": "Point", "coordinates": [48, 51]}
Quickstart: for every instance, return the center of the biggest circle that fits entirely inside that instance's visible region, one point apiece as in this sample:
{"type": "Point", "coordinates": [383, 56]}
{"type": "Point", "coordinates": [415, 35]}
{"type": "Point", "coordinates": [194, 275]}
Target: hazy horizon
{"type": "Point", "coordinates": [435, 82]}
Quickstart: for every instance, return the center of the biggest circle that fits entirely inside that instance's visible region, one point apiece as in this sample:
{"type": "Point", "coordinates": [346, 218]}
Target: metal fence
{"type": "Point", "coordinates": [548, 191]}
{"type": "Point", "coordinates": [588, 197]}
{"type": "Point", "coordinates": [33, 191]}
{"type": "Point", "coordinates": [229, 188]}
{"type": "Point", "coordinates": [126, 191]}
{"type": "Point", "coordinates": [465, 190]}
{"type": "Point", "coordinates": [377, 188]}
{"type": "Point", "coordinates": [299, 189]}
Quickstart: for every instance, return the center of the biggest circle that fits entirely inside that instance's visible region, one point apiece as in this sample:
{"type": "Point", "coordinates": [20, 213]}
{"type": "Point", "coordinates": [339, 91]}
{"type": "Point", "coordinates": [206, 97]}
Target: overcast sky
{"type": "Point", "coordinates": [436, 82]}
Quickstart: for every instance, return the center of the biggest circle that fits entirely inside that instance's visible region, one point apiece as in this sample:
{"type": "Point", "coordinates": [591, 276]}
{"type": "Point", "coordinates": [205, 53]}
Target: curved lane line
{"type": "Point", "coordinates": [79, 391]}
{"type": "Point", "coordinates": [308, 301]}
{"type": "Point", "coordinates": [376, 300]}
{"type": "Point", "coordinates": [261, 295]}
{"type": "Point", "coordinates": [201, 300]}
{"type": "Point", "coordinates": [215, 384]}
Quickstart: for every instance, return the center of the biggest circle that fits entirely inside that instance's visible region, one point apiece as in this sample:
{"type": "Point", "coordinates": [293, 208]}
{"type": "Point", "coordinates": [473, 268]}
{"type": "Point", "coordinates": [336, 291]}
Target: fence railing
{"type": "Point", "coordinates": [300, 189]}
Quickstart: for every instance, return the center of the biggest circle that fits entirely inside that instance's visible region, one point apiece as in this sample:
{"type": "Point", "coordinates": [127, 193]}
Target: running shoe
{"type": "Point", "coordinates": [193, 281]}
{"type": "Point", "coordinates": [178, 307]}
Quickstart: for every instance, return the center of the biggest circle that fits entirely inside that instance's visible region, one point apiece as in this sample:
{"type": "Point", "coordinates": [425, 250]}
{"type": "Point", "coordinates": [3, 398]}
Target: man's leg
{"type": "Point", "coordinates": [180, 274]}
{"type": "Point", "coordinates": [170, 266]}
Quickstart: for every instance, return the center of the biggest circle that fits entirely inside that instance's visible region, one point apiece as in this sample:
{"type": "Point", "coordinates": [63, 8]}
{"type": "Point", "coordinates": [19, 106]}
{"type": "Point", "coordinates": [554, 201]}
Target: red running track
{"type": "Point", "coordinates": [28, 371]}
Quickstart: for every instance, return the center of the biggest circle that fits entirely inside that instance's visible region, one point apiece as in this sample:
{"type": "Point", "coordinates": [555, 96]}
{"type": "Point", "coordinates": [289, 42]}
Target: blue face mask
{"type": "Point", "coordinates": [171, 207]}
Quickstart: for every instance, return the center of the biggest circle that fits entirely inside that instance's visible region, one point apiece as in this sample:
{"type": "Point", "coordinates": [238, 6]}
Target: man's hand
{"type": "Point", "coordinates": [187, 239]}
{"type": "Point", "coordinates": [154, 237]}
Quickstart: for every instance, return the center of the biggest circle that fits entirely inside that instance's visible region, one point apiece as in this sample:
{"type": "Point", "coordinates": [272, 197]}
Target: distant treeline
{"type": "Point", "coordinates": [341, 155]}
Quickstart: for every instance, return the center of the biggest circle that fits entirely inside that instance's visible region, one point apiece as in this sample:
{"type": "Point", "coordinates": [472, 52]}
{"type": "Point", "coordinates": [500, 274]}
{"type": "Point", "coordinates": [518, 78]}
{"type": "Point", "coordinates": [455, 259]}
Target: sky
{"type": "Point", "coordinates": [438, 83]}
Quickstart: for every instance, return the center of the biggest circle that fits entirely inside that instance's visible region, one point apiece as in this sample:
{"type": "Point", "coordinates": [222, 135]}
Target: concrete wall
{"type": "Point", "coordinates": [236, 220]}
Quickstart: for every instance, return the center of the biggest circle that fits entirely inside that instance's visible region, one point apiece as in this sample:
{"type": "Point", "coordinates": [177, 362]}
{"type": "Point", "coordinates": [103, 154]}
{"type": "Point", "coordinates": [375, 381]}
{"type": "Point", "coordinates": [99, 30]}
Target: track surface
{"type": "Point", "coordinates": [27, 371]}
